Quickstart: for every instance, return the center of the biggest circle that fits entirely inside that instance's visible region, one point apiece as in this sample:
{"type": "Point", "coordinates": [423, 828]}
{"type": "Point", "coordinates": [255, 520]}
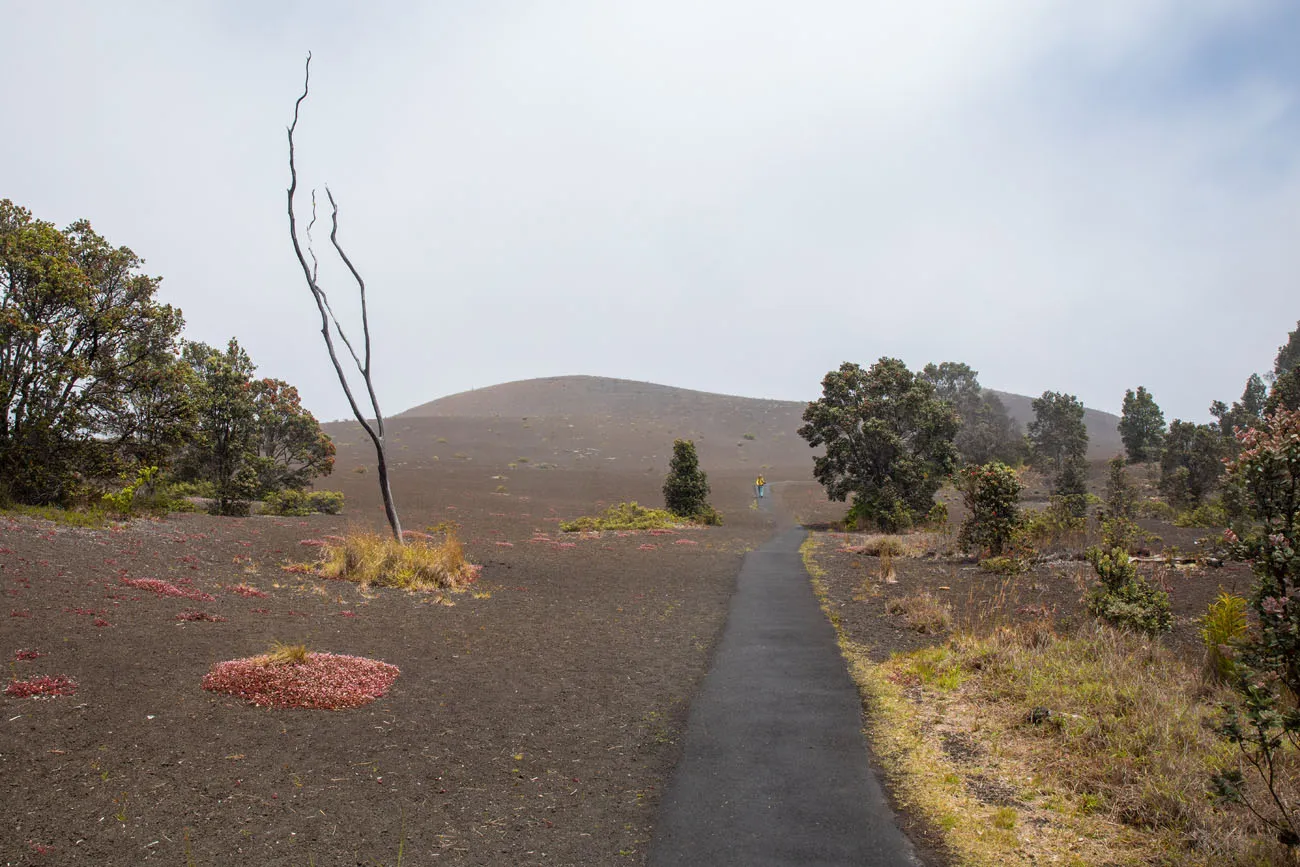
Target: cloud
{"type": "Point", "coordinates": [722, 196]}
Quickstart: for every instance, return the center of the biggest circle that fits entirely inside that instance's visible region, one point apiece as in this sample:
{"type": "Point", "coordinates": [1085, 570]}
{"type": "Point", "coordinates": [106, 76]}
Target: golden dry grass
{"type": "Point", "coordinates": [1023, 746]}
{"type": "Point", "coordinates": [423, 562]}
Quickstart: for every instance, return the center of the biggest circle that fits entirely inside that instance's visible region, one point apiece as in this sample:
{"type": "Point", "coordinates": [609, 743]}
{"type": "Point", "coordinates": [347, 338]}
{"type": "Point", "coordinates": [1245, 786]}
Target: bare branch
{"type": "Point", "coordinates": [310, 273]}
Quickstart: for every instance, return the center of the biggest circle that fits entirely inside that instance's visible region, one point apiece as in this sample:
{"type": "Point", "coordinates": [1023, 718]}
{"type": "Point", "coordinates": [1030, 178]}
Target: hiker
{"type": "Point", "coordinates": [760, 484]}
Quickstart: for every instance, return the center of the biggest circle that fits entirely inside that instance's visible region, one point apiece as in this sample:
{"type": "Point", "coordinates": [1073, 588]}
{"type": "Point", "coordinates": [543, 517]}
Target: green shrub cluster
{"type": "Point", "coordinates": [1207, 514]}
{"type": "Point", "coordinates": [1003, 565]}
{"type": "Point", "coordinates": [300, 503]}
{"type": "Point", "coordinates": [1056, 526]}
{"type": "Point", "coordinates": [992, 496]}
{"type": "Point", "coordinates": [1155, 509]}
{"type": "Point", "coordinates": [624, 516]}
{"type": "Point", "coordinates": [1124, 598]}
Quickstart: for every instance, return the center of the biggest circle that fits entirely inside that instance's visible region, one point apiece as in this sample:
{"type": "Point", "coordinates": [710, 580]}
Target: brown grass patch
{"type": "Point", "coordinates": [923, 612]}
{"type": "Point", "coordinates": [423, 562]}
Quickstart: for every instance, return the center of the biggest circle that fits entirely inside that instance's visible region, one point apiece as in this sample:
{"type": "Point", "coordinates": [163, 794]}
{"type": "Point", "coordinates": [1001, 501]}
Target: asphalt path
{"type": "Point", "coordinates": [775, 769]}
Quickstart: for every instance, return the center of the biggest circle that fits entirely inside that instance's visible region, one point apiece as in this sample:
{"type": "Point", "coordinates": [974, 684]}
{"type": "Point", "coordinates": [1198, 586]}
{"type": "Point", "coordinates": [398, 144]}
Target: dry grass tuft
{"type": "Point", "coordinates": [923, 612]}
{"type": "Point", "coordinates": [422, 563]}
{"type": "Point", "coordinates": [285, 654]}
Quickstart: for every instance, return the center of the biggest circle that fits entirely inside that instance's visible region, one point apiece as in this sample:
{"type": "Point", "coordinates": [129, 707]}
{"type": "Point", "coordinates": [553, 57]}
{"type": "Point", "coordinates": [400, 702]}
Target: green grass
{"type": "Point", "coordinates": [94, 518]}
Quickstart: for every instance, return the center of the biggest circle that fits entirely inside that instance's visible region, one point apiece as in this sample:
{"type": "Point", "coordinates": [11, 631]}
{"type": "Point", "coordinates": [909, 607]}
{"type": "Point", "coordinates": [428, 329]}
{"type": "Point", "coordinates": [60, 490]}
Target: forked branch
{"type": "Point", "coordinates": [327, 318]}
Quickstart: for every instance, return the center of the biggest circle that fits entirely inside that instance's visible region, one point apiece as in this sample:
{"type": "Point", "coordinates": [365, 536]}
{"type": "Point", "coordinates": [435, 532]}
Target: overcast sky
{"type": "Point", "coordinates": [729, 196]}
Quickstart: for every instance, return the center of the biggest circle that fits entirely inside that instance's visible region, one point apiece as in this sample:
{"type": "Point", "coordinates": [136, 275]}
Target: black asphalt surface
{"type": "Point", "coordinates": [775, 769]}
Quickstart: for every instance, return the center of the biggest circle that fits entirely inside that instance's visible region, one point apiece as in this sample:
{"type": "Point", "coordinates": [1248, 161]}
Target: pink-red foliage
{"type": "Point", "coordinates": [42, 686]}
{"type": "Point", "coordinates": [326, 681]}
{"type": "Point", "coordinates": [163, 588]}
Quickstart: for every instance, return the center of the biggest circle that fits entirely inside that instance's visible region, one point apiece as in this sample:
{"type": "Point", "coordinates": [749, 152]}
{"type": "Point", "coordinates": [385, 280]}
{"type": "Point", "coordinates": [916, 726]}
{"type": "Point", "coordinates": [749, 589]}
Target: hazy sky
{"type": "Point", "coordinates": [729, 196]}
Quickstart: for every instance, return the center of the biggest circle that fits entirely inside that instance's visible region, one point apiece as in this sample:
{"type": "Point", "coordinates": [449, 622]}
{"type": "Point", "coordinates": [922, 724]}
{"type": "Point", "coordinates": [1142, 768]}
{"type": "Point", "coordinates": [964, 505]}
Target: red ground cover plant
{"type": "Point", "coordinates": [25, 653]}
{"type": "Point", "coordinates": [44, 686]}
{"type": "Point", "coordinates": [325, 681]}
{"type": "Point", "coordinates": [246, 591]}
{"type": "Point", "coordinates": [200, 616]}
{"type": "Point", "coordinates": [163, 588]}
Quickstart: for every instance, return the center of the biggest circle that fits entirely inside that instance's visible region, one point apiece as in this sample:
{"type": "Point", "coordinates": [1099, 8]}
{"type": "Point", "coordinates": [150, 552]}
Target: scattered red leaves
{"type": "Point", "coordinates": [247, 591]}
{"type": "Point", "coordinates": [44, 686]}
{"type": "Point", "coordinates": [686, 542]}
{"type": "Point", "coordinates": [163, 588]}
{"type": "Point", "coordinates": [326, 681]}
{"type": "Point", "coordinates": [647, 547]}
{"type": "Point", "coordinates": [24, 653]}
{"type": "Point", "coordinates": [197, 616]}
{"type": "Point", "coordinates": [20, 613]}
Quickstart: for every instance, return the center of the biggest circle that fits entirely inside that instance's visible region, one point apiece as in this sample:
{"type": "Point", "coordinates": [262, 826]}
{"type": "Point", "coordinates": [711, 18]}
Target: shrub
{"type": "Point", "coordinates": [1223, 629]}
{"type": "Point", "coordinates": [1121, 494]}
{"type": "Point", "coordinates": [421, 563]}
{"type": "Point", "coordinates": [1119, 532]}
{"type": "Point", "coordinates": [1124, 598]}
{"type": "Point", "coordinates": [1157, 509]}
{"type": "Point", "coordinates": [882, 546]}
{"type": "Point", "coordinates": [294, 503]}
{"type": "Point", "coordinates": [992, 495]}
{"type": "Point", "coordinates": [1003, 565]}
{"type": "Point", "coordinates": [1207, 514]}
{"type": "Point", "coordinates": [1266, 727]}
{"type": "Point", "coordinates": [138, 493]}
{"type": "Point", "coordinates": [624, 516]}
{"type": "Point", "coordinates": [708, 516]}
{"type": "Point", "coordinates": [1055, 527]}
{"type": "Point", "coordinates": [686, 489]}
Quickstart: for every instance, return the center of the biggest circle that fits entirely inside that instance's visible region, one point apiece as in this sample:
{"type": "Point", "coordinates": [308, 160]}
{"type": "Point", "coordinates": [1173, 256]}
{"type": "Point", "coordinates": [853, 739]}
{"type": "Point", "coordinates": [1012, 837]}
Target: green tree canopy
{"type": "Point", "coordinates": [1057, 435]}
{"type": "Point", "coordinates": [88, 369]}
{"type": "Point", "coordinates": [1244, 413]}
{"type": "Point", "coordinates": [1288, 354]}
{"type": "Point", "coordinates": [686, 489]}
{"type": "Point", "coordinates": [1192, 462]}
{"type": "Point", "coordinates": [987, 433]}
{"type": "Point", "coordinates": [1141, 426]}
{"type": "Point", "coordinates": [254, 437]}
{"type": "Point", "coordinates": [888, 440]}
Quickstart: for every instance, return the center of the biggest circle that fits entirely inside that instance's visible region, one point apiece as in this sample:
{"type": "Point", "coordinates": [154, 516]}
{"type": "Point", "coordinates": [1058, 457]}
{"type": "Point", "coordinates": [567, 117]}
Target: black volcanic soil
{"type": "Point", "coordinates": [533, 724]}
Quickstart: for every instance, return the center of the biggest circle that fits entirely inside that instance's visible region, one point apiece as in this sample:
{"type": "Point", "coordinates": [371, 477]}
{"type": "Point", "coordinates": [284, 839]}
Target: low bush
{"type": "Point", "coordinates": [421, 563]}
{"type": "Point", "coordinates": [293, 503]}
{"type": "Point", "coordinates": [1054, 528]}
{"type": "Point", "coordinates": [992, 497]}
{"type": "Point", "coordinates": [1156, 509]}
{"type": "Point", "coordinates": [43, 686]}
{"type": "Point", "coordinates": [1208, 514]}
{"type": "Point", "coordinates": [1120, 532]}
{"type": "Point", "coordinates": [1003, 565]}
{"type": "Point", "coordinates": [1123, 598]}
{"type": "Point", "coordinates": [624, 516]}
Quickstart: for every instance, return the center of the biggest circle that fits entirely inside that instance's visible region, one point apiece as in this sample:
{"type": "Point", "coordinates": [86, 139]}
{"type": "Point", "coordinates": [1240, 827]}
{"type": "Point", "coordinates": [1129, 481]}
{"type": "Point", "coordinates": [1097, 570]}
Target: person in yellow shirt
{"type": "Point", "coordinates": [760, 485]}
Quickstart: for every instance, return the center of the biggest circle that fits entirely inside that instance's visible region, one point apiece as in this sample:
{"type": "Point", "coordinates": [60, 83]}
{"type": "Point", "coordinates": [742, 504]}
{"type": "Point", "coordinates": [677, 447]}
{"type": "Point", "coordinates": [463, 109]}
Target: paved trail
{"type": "Point", "coordinates": [775, 768]}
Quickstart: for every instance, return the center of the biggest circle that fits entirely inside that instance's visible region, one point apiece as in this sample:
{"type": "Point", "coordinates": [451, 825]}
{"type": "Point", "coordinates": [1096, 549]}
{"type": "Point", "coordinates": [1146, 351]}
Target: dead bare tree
{"type": "Point", "coordinates": [327, 317]}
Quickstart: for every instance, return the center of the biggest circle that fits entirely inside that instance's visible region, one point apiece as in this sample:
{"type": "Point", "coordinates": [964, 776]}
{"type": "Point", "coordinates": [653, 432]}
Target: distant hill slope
{"type": "Point", "coordinates": [687, 412]}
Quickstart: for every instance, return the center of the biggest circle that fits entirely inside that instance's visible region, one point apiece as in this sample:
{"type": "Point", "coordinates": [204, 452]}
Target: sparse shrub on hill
{"type": "Point", "coordinates": [888, 442]}
{"type": "Point", "coordinates": [686, 489]}
{"type": "Point", "coordinates": [1055, 528]}
{"type": "Point", "coordinates": [1072, 487]}
{"type": "Point", "coordinates": [1141, 426]}
{"type": "Point", "coordinates": [992, 496]}
{"type": "Point", "coordinates": [1266, 725]}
